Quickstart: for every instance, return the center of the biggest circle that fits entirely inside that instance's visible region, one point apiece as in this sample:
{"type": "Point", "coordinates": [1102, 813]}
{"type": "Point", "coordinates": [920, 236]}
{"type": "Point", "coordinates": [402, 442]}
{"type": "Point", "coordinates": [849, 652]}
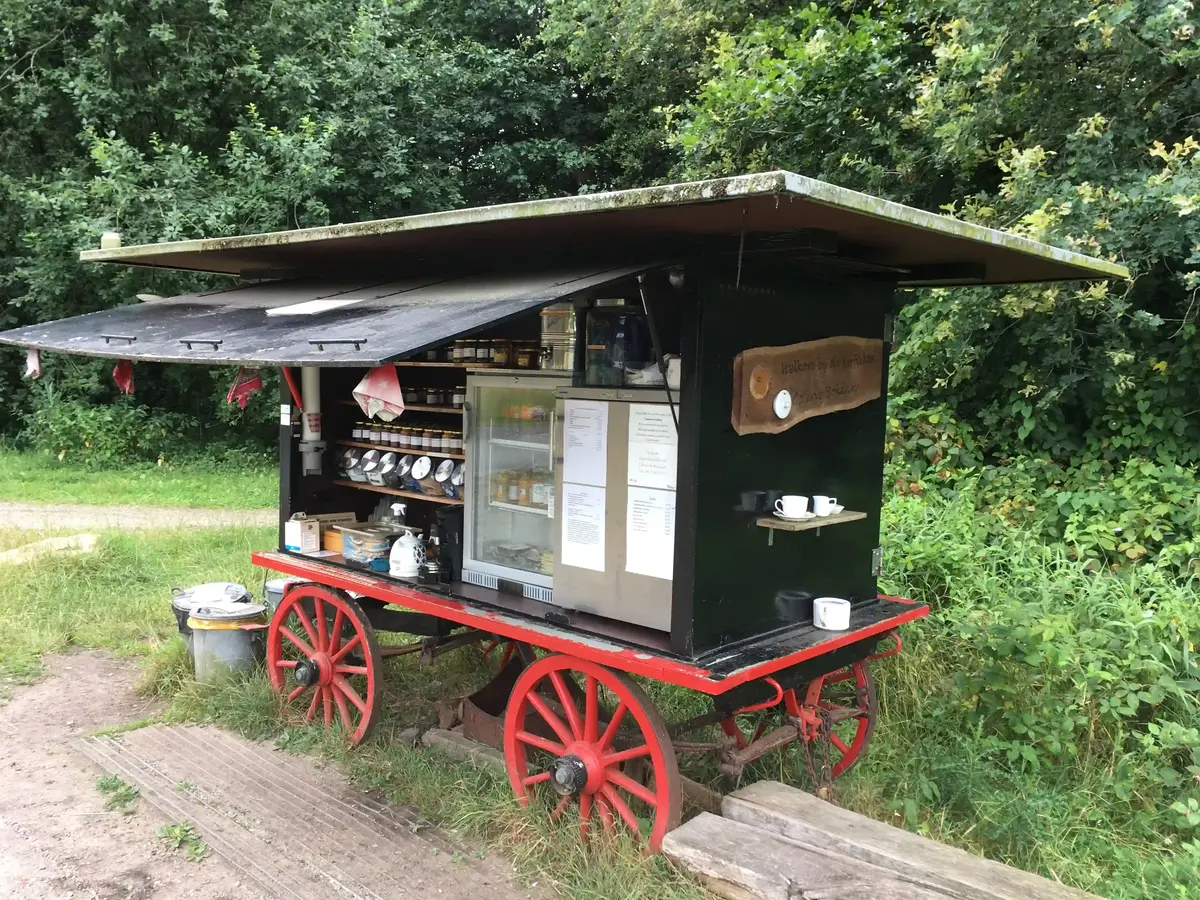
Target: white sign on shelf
{"type": "Point", "coordinates": [653, 446]}
{"type": "Point", "coordinates": [583, 526]}
{"type": "Point", "coordinates": [585, 442]}
{"type": "Point", "coordinates": [650, 533]}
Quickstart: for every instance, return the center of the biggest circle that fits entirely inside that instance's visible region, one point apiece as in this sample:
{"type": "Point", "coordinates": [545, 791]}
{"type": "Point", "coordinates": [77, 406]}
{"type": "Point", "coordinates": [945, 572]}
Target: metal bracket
{"type": "Point", "coordinates": [889, 328]}
{"type": "Point", "coordinates": [877, 562]}
{"type": "Point", "coordinates": [109, 338]}
{"type": "Point", "coordinates": [321, 342]}
{"type": "Point", "coordinates": [214, 343]}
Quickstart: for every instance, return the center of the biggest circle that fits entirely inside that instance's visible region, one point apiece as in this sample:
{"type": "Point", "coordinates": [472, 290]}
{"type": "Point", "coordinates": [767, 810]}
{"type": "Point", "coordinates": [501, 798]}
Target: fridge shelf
{"type": "Point", "coordinates": [521, 445]}
{"type": "Point", "coordinates": [532, 510]}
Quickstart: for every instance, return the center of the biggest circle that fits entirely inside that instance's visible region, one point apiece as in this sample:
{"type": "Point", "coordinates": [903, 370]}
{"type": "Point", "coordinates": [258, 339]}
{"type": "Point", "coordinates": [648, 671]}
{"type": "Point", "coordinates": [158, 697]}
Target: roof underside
{"type": "Point", "coordinates": [315, 323]}
{"type": "Point", "coordinates": [905, 244]}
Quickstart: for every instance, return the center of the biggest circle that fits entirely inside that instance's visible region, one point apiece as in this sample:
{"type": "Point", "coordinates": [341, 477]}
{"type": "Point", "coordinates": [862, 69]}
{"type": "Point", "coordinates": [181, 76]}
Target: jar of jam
{"type": "Point", "coordinates": [433, 397]}
{"type": "Point", "coordinates": [458, 398]}
{"type": "Point", "coordinates": [357, 431]}
{"type": "Point", "coordinates": [500, 492]}
{"type": "Point", "coordinates": [526, 355]}
{"type": "Point", "coordinates": [376, 434]}
{"type": "Point", "coordinates": [456, 442]}
{"type": "Point", "coordinates": [427, 440]}
{"type": "Point", "coordinates": [456, 353]}
{"type": "Point", "coordinates": [483, 352]}
{"type": "Point", "coordinates": [502, 353]}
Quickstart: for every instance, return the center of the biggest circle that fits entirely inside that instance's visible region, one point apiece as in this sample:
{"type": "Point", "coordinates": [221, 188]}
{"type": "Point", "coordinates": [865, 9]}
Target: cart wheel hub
{"type": "Point", "coordinates": [568, 775]}
{"type": "Point", "coordinates": [308, 673]}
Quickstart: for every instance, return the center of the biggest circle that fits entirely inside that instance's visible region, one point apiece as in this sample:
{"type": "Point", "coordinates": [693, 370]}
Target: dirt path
{"type": "Point", "coordinates": [57, 842]}
{"type": "Point", "coordinates": [280, 827]}
{"type": "Point", "coordinates": [47, 517]}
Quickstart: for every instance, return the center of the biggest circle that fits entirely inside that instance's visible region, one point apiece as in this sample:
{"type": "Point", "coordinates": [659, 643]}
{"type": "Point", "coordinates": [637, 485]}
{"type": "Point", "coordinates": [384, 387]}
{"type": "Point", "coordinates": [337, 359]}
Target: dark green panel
{"type": "Point", "coordinates": [738, 578]}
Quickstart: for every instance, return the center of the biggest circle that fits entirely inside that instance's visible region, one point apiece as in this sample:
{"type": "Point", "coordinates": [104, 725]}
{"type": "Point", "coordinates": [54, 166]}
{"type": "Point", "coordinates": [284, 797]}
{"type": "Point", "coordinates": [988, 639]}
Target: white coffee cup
{"type": "Point", "coordinates": [791, 506]}
{"type": "Point", "coordinates": [822, 505]}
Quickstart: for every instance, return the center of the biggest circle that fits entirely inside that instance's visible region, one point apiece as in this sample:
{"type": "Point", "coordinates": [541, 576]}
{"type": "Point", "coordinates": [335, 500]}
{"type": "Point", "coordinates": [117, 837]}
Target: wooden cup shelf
{"type": "Point", "coordinates": [774, 523]}
{"type": "Point", "coordinates": [395, 493]}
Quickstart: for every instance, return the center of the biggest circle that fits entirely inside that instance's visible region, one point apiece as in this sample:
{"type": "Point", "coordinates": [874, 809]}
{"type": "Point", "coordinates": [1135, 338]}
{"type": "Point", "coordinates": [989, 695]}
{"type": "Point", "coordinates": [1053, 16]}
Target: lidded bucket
{"type": "Point", "coordinates": [226, 637]}
{"type": "Point", "coordinates": [184, 600]}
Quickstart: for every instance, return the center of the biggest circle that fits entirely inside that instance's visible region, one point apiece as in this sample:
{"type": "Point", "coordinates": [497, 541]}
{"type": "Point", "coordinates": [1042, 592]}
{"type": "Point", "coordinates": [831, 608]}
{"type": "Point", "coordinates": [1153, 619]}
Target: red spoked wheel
{"type": "Point", "coordinates": [846, 701]}
{"type": "Point", "coordinates": [323, 656]}
{"type": "Point", "coordinates": [612, 768]}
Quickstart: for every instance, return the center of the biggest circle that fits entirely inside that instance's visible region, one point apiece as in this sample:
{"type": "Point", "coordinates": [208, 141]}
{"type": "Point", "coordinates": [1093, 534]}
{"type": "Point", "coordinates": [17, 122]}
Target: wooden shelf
{"type": "Point", "coordinates": [452, 410]}
{"type": "Point", "coordinates": [441, 365]}
{"type": "Point", "coordinates": [774, 523]}
{"type": "Point", "coordinates": [403, 451]}
{"type": "Point", "coordinates": [395, 493]}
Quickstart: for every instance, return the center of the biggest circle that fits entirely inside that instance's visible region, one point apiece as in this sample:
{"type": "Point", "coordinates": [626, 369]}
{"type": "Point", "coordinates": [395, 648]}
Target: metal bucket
{"type": "Point", "coordinates": [274, 589]}
{"type": "Point", "coordinates": [227, 638]}
{"type": "Point", "coordinates": [185, 600]}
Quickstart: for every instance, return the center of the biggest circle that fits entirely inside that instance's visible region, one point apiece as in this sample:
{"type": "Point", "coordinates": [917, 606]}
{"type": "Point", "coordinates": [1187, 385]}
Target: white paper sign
{"type": "Point", "coordinates": [585, 442]}
{"type": "Point", "coordinates": [653, 446]}
{"type": "Point", "coordinates": [650, 533]}
{"type": "Point", "coordinates": [583, 526]}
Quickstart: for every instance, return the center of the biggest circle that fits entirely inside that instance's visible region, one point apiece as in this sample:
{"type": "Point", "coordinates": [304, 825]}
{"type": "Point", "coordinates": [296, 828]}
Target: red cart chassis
{"type": "Point", "coordinates": [573, 721]}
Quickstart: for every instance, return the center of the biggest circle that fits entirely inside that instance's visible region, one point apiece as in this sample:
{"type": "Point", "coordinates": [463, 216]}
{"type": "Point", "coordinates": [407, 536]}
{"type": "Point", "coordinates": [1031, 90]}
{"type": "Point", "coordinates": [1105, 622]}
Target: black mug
{"type": "Point", "coordinates": [752, 501]}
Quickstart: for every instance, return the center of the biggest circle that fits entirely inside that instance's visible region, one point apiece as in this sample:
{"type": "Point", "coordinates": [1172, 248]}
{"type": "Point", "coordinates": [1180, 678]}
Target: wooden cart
{"type": "Point", "coordinates": [776, 291]}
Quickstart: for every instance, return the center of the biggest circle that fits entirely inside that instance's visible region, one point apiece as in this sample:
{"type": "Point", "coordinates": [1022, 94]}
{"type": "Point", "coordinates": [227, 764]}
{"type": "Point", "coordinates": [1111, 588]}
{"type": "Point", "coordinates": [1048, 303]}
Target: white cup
{"type": "Point", "coordinates": [831, 613]}
{"type": "Point", "coordinates": [791, 506]}
{"type": "Point", "coordinates": [822, 505]}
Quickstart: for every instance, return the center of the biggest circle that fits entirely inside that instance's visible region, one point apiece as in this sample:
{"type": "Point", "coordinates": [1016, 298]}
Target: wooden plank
{"type": "Point", "coordinates": [741, 862]}
{"type": "Point", "coordinates": [802, 817]}
{"type": "Point", "coordinates": [409, 494]}
{"type": "Point", "coordinates": [846, 515]}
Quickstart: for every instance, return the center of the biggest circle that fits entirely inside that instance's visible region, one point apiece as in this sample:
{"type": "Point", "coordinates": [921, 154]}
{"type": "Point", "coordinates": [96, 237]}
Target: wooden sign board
{"type": "Point", "coordinates": [820, 377]}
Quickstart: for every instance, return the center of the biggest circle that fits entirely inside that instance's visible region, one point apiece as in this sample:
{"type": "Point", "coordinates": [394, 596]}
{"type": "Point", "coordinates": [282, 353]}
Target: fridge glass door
{"type": "Point", "coordinates": [513, 480]}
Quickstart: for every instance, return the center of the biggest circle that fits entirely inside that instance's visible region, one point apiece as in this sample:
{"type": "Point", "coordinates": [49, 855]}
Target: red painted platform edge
{"type": "Point", "coordinates": [549, 637]}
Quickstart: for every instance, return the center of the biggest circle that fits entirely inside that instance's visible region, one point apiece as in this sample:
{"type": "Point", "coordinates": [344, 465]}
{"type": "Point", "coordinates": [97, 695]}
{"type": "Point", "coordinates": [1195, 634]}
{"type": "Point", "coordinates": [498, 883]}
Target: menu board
{"type": "Point", "coordinates": [583, 508]}
{"type": "Point", "coordinates": [653, 446]}
{"type": "Point", "coordinates": [585, 442]}
{"type": "Point", "coordinates": [650, 533]}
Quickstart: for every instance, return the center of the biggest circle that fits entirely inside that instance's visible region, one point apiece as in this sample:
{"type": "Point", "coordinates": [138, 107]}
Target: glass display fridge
{"type": "Point", "coordinates": [508, 538]}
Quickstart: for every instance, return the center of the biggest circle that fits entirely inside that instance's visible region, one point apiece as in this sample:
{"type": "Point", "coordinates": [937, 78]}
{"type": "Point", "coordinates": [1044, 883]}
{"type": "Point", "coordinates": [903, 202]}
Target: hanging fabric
{"type": "Point", "coordinates": [123, 375]}
{"type": "Point", "coordinates": [379, 395]}
{"type": "Point", "coordinates": [246, 383]}
{"type": "Point", "coordinates": [33, 363]}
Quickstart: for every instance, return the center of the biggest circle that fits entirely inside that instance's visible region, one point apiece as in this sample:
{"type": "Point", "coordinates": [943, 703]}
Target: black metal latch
{"type": "Point", "coordinates": [213, 343]}
{"type": "Point", "coordinates": [321, 342]}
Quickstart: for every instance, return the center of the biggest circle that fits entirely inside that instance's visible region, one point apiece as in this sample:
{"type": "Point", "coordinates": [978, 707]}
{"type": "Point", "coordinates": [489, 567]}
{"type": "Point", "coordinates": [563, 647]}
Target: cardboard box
{"type": "Point", "coordinates": [301, 535]}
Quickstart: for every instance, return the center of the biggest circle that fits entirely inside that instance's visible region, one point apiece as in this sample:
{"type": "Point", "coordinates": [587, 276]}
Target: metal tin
{"type": "Point", "coordinates": [558, 354]}
{"type": "Point", "coordinates": [421, 467]}
{"type": "Point", "coordinates": [444, 470]}
{"type": "Point", "coordinates": [385, 474]}
{"type": "Point", "coordinates": [367, 465]}
{"type": "Point", "coordinates": [355, 471]}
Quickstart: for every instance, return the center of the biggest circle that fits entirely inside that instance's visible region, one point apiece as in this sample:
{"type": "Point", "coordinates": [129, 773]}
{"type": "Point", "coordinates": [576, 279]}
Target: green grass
{"type": "Point", "coordinates": [120, 796]}
{"type": "Point", "coordinates": [118, 598]}
{"type": "Point", "coordinates": [40, 478]}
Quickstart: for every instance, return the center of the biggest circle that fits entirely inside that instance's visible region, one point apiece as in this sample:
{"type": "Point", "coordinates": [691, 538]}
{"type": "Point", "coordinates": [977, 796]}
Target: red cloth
{"type": "Point", "coordinates": [379, 394]}
{"type": "Point", "coordinates": [123, 376]}
{"type": "Point", "coordinates": [246, 383]}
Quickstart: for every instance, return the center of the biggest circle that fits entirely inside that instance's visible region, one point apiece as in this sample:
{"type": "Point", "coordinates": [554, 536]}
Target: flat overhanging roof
{"type": "Point", "coordinates": [910, 245]}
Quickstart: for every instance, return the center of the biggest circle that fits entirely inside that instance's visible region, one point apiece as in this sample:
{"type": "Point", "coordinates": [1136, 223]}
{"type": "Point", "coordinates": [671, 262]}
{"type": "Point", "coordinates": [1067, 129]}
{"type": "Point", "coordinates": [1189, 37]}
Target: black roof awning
{"type": "Point", "coordinates": [309, 322]}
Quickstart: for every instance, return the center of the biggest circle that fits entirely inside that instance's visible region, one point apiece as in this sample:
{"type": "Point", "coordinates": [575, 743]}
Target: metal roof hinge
{"type": "Point", "coordinates": [877, 562]}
